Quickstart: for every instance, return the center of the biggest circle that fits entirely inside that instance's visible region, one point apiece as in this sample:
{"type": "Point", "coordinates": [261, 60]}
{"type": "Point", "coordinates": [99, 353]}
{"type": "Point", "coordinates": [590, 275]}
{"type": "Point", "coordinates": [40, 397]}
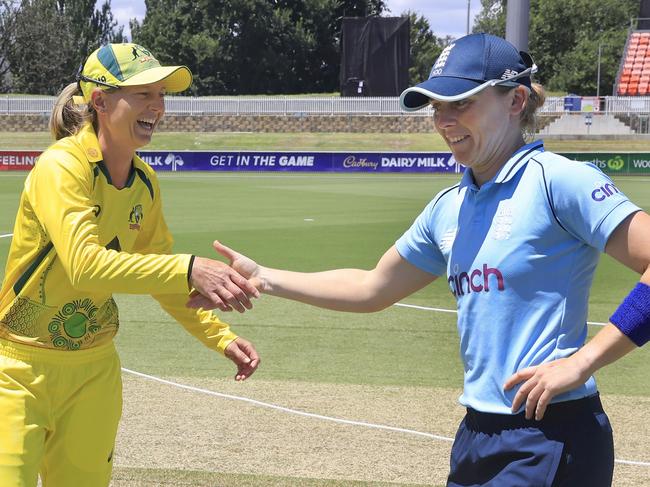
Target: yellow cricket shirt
{"type": "Point", "coordinates": [78, 239]}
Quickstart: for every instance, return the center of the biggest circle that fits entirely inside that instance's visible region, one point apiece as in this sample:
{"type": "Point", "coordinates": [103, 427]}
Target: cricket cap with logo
{"type": "Point", "coordinates": [469, 65]}
{"type": "Point", "coordinates": [117, 65]}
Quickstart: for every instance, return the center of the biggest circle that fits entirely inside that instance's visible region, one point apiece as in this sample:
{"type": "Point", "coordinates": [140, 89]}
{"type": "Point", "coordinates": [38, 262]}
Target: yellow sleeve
{"type": "Point", "coordinates": [59, 189]}
{"type": "Point", "coordinates": [204, 325]}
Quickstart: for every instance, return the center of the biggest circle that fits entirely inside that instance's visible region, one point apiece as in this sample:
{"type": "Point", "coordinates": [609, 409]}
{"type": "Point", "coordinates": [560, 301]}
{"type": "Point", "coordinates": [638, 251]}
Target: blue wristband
{"type": "Point", "coordinates": [633, 315]}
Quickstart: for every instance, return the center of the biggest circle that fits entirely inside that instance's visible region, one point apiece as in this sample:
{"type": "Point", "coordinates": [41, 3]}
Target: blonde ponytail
{"type": "Point", "coordinates": [67, 118]}
{"type": "Point", "coordinates": [528, 117]}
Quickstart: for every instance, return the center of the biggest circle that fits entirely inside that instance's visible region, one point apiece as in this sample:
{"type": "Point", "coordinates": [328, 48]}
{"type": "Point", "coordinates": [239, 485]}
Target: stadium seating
{"type": "Point", "coordinates": [634, 75]}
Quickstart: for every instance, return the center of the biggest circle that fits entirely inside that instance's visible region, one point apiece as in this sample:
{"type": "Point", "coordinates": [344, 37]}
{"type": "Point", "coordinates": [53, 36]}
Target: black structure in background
{"type": "Point", "coordinates": [375, 56]}
{"type": "Point", "coordinates": [644, 15]}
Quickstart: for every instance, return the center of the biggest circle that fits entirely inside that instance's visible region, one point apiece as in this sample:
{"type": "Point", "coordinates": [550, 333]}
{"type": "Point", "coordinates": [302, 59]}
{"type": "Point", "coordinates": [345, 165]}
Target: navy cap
{"type": "Point", "coordinates": [469, 65]}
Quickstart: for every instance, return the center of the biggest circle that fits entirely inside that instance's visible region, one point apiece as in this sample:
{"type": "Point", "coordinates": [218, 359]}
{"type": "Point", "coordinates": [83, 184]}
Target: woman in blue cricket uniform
{"type": "Point", "coordinates": [519, 239]}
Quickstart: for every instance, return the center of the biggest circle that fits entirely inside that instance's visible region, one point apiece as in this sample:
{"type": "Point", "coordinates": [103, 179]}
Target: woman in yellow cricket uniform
{"type": "Point", "coordinates": [90, 224]}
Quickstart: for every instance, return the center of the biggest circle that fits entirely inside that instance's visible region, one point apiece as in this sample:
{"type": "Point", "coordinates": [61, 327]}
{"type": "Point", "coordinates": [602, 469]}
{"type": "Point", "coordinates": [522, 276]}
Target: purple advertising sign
{"type": "Point", "coordinates": [301, 161]}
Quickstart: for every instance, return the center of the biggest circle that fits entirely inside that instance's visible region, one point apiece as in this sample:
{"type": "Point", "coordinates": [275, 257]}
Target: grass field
{"type": "Point", "coordinates": [399, 367]}
{"type": "Point", "coordinates": [316, 142]}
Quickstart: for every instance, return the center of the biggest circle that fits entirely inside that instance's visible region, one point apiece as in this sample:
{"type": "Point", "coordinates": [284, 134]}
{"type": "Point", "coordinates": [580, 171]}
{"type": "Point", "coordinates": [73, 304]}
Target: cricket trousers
{"type": "Point", "coordinates": [60, 412]}
{"type": "Point", "coordinates": [572, 446]}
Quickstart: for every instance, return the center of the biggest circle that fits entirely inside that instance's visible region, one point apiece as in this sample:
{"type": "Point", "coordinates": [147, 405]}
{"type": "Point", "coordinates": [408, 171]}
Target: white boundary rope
{"type": "Point", "coordinates": [287, 410]}
{"type": "Point", "coordinates": [442, 310]}
{"type": "Point", "coordinates": [320, 416]}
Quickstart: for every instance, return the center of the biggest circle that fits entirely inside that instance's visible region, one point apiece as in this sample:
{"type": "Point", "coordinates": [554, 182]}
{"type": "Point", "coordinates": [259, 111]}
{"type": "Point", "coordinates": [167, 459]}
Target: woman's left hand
{"type": "Point", "coordinates": [243, 354]}
{"type": "Point", "coordinates": [543, 382]}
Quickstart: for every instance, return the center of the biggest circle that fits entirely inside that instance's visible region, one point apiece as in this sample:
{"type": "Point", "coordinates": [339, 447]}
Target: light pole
{"type": "Point", "coordinates": [598, 75]}
{"type": "Point", "coordinates": [468, 4]}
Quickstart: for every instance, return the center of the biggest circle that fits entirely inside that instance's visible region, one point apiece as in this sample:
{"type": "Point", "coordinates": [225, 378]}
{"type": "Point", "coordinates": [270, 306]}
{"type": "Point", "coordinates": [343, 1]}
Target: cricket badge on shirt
{"type": "Point", "coordinates": [502, 223]}
{"type": "Point", "coordinates": [135, 217]}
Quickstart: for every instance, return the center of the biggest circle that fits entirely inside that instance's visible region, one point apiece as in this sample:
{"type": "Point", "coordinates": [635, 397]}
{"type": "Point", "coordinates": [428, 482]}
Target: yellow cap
{"type": "Point", "coordinates": [115, 65]}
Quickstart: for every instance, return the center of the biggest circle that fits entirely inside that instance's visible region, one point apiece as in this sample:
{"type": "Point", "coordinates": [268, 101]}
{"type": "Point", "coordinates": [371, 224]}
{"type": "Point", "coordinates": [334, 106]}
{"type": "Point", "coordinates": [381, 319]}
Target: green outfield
{"type": "Point", "coordinates": [398, 367]}
{"type": "Point", "coordinates": [317, 141]}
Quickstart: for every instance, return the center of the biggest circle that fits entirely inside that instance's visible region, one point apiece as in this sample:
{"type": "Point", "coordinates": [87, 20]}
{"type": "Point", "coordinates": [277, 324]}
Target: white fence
{"type": "Point", "coordinates": [303, 106]}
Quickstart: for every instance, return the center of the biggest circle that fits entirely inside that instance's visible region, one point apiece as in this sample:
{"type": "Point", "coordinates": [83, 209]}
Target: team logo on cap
{"type": "Point", "coordinates": [441, 61]}
{"type": "Point", "coordinates": [509, 73]}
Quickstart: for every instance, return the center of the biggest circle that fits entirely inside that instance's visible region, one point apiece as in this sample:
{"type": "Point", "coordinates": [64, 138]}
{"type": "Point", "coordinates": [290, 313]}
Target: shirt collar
{"type": "Point", "coordinates": [87, 139]}
{"type": "Point", "coordinates": [510, 168]}
{"type": "Point", "coordinates": [518, 160]}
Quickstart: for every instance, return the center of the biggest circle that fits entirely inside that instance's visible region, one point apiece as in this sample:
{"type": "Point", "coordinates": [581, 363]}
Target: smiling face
{"type": "Point", "coordinates": [482, 131]}
{"type": "Point", "coordinates": [128, 116]}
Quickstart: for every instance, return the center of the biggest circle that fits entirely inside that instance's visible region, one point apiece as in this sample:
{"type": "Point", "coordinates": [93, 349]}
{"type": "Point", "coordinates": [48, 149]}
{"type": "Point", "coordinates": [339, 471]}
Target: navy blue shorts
{"type": "Point", "coordinates": [571, 446]}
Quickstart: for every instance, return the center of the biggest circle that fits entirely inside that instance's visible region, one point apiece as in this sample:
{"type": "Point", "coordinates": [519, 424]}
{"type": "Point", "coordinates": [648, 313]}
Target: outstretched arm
{"type": "Point", "coordinates": [630, 245]}
{"type": "Point", "coordinates": [356, 290]}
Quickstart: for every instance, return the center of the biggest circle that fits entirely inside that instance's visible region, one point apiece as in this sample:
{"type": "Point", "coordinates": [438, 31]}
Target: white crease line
{"type": "Point", "coordinates": [287, 410]}
{"type": "Point", "coordinates": [6, 235]}
{"type": "Point", "coordinates": [319, 416]}
{"type": "Point", "coordinates": [631, 462]}
{"type": "Point", "coordinates": [425, 308]}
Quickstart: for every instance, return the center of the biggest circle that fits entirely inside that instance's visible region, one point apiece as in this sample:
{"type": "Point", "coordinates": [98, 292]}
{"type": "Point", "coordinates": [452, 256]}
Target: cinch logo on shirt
{"type": "Point", "coordinates": [476, 281]}
{"type": "Point", "coordinates": [599, 194]}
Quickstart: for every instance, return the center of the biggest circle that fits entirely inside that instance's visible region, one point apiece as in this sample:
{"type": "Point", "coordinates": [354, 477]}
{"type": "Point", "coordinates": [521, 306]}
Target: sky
{"type": "Point", "coordinates": [446, 17]}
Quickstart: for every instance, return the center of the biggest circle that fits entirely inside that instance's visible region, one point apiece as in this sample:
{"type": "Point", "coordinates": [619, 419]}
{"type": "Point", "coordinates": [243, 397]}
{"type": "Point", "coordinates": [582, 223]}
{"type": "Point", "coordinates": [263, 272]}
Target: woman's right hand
{"type": "Point", "coordinates": [245, 266]}
{"type": "Point", "coordinates": [240, 264]}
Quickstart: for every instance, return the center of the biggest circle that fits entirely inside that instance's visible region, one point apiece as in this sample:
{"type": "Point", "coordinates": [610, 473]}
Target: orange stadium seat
{"type": "Point", "coordinates": [622, 89]}
{"type": "Point", "coordinates": [632, 89]}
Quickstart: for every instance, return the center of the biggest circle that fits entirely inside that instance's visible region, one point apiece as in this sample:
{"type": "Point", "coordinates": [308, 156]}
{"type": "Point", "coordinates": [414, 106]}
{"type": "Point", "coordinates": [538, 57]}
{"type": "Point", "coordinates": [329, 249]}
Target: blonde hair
{"type": "Point", "coordinates": [67, 118]}
{"type": "Point", "coordinates": [528, 116]}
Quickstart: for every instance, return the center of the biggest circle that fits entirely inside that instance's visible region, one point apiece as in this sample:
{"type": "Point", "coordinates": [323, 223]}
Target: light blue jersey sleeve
{"type": "Point", "coordinates": [586, 202]}
{"type": "Point", "coordinates": [419, 245]}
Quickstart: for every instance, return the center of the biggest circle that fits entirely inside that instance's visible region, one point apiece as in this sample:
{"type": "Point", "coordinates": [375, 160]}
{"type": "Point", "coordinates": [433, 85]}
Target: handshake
{"type": "Point", "coordinates": [217, 285]}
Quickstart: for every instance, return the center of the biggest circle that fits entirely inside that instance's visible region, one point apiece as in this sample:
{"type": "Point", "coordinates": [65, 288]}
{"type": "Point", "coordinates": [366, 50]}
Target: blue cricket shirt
{"type": "Point", "coordinates": [520, 254]}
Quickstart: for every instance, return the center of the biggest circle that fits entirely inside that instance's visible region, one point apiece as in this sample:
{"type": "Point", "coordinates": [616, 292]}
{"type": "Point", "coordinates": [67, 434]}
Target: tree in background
{"type": "Point", "coordinates": [252, 46]}
{"type": "Point", "coordinates": [565, 44]}
{"type": "Point", "coordinates": [491, 18]}
{"type": "Point", "coordinates": [50, 40]}
{"type": "Point", "coordinates": [564, 37]}
{"type": "Point", "coordinates": [425, 48]}
{"type": "Point", "coordinates": [8, 10]}
{"type": "Point", "coordinates": [358, 8]}
{"type": "Point", "coordinates": [188, 33]}
{"type": "Point", "coordinates": [40, 54]}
